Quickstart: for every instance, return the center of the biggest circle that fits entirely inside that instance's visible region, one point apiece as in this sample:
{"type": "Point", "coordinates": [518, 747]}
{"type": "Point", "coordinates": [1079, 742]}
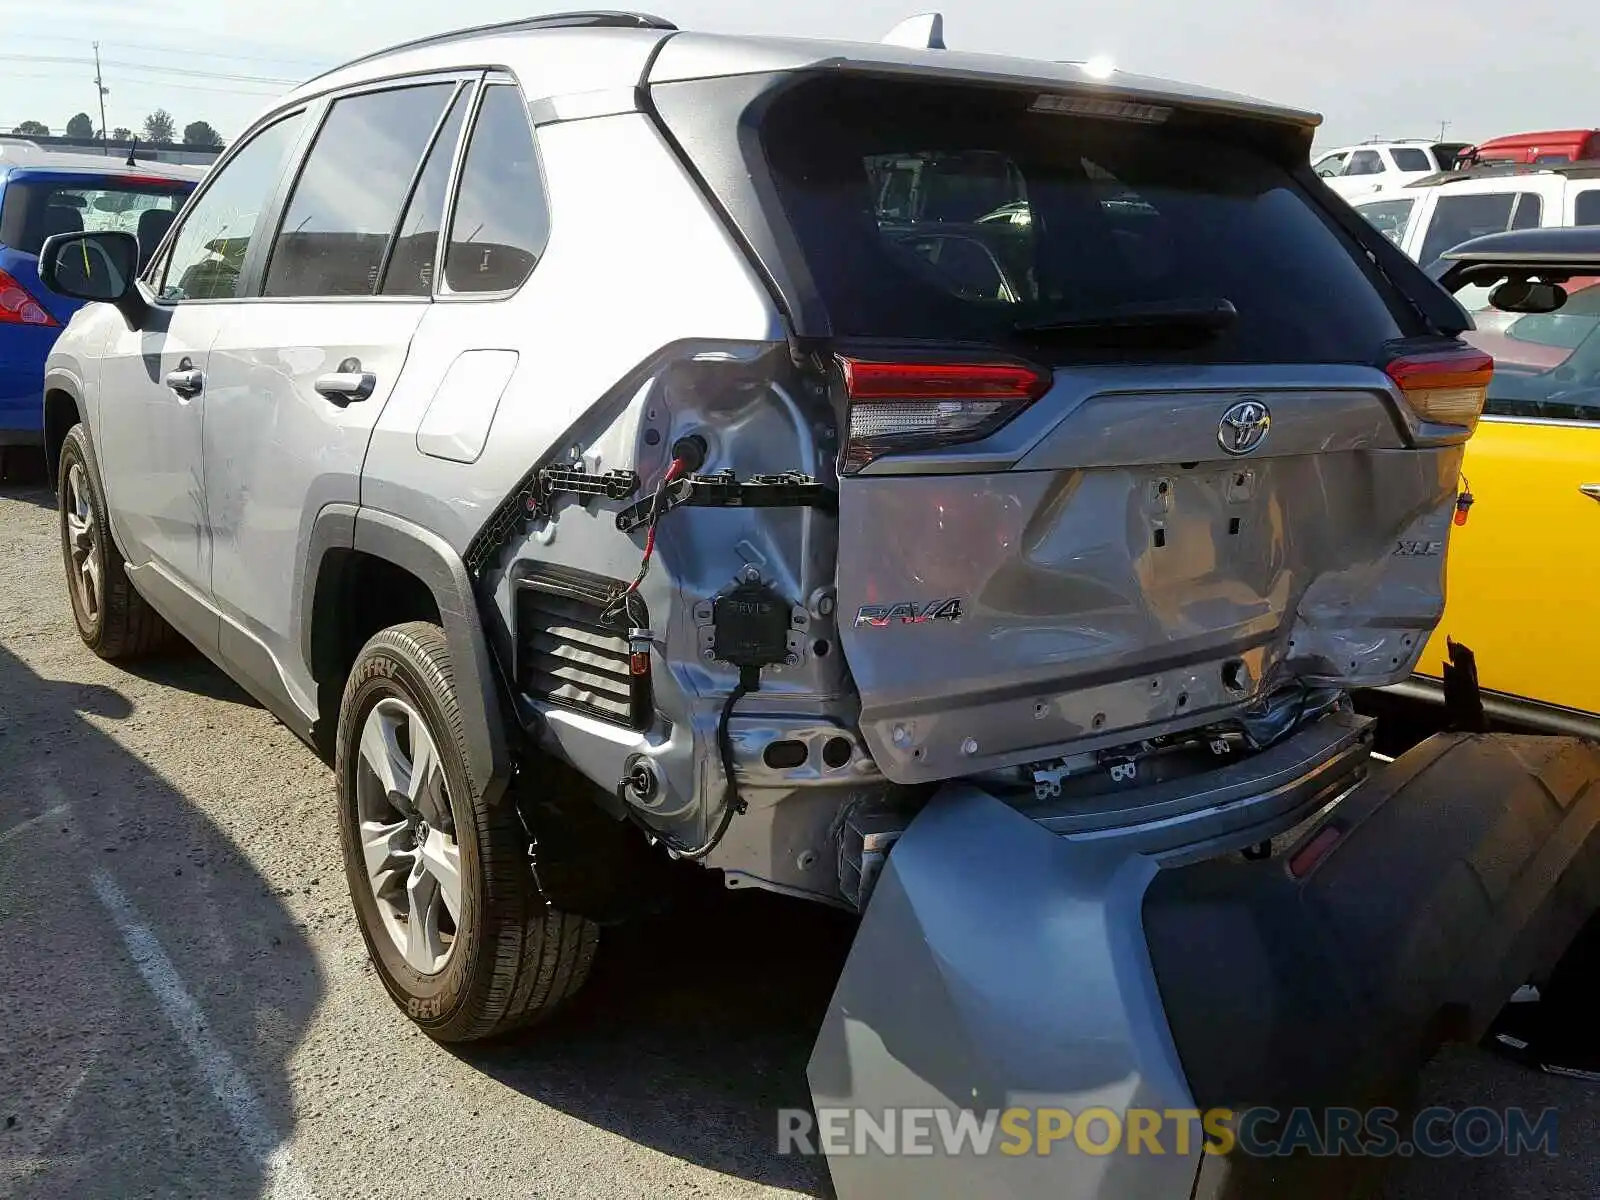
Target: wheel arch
{"type": "Point", "coordinates": [366, 570]}
{"type": "Point", "coordinates": [63, 408]}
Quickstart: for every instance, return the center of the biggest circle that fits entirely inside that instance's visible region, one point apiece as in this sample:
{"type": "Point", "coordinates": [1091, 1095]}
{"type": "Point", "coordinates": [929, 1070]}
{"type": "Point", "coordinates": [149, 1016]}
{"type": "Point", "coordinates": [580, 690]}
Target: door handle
{"type": "Point", "coordinates": [1591, 490]}
{"type": "Point", "coordinates": [186, 381]}
{"type": "Point", "coordinates": [345, 387]}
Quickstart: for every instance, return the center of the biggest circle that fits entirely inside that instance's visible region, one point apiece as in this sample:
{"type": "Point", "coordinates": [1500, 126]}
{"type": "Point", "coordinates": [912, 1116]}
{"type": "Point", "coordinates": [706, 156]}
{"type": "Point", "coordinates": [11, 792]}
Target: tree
{"type": "Point", "coordinates": [200, 133]}
{"type": "Point", "coordinates": [122, 134]}
{"type": "Point", "coordinates": [32, 129]}
{"type": "Point", "coordinates": [159, 128]}
{"type": "Point", "coordinates": [81, 126]}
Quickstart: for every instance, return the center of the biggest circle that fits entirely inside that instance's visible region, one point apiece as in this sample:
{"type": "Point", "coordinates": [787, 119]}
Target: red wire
{"type": "Point", "coordinates": [673, 471]}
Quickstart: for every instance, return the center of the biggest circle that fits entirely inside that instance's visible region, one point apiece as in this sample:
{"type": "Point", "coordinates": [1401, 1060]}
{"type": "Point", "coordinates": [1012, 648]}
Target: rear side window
{"type": "Point", "coordinates": [959, 214]}
{"type": "Point", "coordinates": [347, 201]}
{"type": "Point", "coordinates": [1412, 159]}
{"type": "Point", "coordinates": [1586, 208]}
{"type": "Point", "coordinates": [500, 224]}
{"type": "Point", "coordinates": [33, 209]}
{"type": "Point", "coordinates": [1457, 219]}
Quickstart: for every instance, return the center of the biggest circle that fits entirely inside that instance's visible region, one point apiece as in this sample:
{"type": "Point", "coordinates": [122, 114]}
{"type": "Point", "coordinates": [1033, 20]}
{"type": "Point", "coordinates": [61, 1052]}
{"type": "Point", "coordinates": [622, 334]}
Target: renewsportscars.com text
{"type": "Point", "coordinates": [1258, 1132]}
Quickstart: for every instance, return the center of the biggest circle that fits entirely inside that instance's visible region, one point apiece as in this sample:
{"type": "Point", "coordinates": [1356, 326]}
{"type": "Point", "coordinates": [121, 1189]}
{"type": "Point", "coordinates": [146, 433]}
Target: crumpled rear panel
{"type": "Point", "coordinates": [1096, 600]}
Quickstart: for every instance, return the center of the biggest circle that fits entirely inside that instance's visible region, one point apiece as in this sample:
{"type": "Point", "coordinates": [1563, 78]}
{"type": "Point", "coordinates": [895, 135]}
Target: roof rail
{"type": "Point", "coordinates": [1582, 169]}
{"type": "Point", "coordinates": [598, 19]}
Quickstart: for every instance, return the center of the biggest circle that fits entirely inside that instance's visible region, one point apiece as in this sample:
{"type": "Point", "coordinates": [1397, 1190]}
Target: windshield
{"type": "Point", "coordinates": [965, 214]}
{"type": "Point", "coordinates": [1546, 364]}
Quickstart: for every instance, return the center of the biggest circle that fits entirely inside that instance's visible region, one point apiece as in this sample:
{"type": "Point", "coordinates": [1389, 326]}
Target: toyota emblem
{"type": "Point", "coordinates": [1244, 427]}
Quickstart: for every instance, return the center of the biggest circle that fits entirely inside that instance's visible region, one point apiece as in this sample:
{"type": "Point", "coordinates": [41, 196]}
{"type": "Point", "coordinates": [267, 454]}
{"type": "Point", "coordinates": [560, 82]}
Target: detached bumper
{"type": "Point", "coordinates": [1002, 965]}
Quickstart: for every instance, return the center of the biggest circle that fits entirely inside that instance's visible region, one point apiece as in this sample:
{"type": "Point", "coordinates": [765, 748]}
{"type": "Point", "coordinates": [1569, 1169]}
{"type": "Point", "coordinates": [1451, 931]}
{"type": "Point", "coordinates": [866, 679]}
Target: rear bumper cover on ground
{"type": "Point", "coordinates": [1001, 965]}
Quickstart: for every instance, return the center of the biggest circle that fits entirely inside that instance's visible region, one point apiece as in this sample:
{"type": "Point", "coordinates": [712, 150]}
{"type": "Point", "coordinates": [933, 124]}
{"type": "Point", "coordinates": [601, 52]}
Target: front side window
{"type": "Point", "coordinates": [208, 254]}
{"type": "Point", "coordinates": [500, 224]}
{"type": "Point", "coordinates": [1392, 218]}
{"type": "Point", "coordinates": [347, 201]}
{"type": "Point", "coordinates": [1331, 167]}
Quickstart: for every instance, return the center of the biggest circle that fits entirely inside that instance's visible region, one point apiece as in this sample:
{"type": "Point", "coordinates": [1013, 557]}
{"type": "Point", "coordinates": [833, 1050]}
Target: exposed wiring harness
{"type": "Point", "coordinates": [627, 599]}
{"type": "Point", "coordinates": [628, 602]}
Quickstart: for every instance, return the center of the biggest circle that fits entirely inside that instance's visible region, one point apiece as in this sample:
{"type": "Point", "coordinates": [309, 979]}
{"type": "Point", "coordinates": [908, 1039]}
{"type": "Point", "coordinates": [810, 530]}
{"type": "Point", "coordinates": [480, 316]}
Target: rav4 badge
{"type": "Point", "coordinates": [908, 612]}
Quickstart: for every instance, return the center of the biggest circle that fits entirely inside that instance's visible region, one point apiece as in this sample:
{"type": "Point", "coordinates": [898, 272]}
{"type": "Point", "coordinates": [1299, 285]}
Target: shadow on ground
{"type": "Point", "coordinates": [100, 1095]}
{"type": "Point", "coordinates": [694, 1031]}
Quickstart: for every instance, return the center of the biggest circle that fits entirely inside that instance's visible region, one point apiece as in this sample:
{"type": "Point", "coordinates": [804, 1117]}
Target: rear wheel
{"type": "Point", "coordinates": [113, 619]}
{"type": "Point", "coordinates": [441, 882]}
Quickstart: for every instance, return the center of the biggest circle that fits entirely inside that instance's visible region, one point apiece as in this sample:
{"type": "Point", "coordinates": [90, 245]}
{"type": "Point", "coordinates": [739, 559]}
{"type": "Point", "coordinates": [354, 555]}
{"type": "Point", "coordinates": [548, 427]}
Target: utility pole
{"type": "Point", "coordinates": [1443, 127]}
{"type": "Point", "coordinates": [103, 90]}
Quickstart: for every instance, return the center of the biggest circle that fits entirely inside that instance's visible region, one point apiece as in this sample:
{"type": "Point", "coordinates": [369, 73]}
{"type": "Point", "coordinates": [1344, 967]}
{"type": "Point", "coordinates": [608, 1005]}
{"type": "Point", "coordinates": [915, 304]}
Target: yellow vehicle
{"type": "Point", "coordinates": [1523, 577]}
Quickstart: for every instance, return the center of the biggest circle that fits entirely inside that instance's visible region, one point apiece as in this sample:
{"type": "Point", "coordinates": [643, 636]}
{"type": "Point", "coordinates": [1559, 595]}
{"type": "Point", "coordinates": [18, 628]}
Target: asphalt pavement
{"type": "Point", "coordinates": [187, 1010]}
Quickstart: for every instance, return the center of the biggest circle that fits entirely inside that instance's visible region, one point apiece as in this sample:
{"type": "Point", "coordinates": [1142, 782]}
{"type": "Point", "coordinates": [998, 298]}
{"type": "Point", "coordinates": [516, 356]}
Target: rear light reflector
{"type": "Point", "coordinates": [17, 307]}
{"type": "Point", "coordinates": [1449, 387]}
{"type": "Point", "coordinates": [1306, 859]}
{"type": "Point", "coordinates": [902, 406]}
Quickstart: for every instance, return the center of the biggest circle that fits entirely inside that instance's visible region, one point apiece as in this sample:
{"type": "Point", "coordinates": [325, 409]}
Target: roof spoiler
{"type": "Point", "coordinates": [925, 31]}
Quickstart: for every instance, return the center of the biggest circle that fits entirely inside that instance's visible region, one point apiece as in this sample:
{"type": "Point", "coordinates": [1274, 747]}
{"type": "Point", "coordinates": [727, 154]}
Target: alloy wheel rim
{"type": "Point", "coordinates": [83, 543]}
{"type": "Point", "coordinates": [408, 844]}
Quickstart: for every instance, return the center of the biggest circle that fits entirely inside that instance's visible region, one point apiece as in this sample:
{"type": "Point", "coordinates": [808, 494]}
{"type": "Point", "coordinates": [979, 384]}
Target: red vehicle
{"type": "Point", "coordinates": [1550, 146]}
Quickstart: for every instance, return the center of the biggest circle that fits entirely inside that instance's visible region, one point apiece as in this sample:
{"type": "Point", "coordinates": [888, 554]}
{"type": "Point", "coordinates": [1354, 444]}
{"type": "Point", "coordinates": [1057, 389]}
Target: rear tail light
{"type": "Point", "coordinates": [1449, 387]}
{"type": "Point", "coordinates": [900, 406]}
{"type": "Point", "coordinates": [17, 307]}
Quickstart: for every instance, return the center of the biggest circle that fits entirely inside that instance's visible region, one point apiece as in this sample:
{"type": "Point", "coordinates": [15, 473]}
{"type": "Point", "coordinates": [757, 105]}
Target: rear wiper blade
{"type": "Point", "coordinates": [1198, 316]}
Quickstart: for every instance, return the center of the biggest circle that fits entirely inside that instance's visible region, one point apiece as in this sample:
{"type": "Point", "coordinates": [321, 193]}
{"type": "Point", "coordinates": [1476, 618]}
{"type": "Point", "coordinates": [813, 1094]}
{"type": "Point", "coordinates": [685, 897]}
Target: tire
{"type": "Point", "coordinates": [503, 958]}
{"type": "Point", "coordinates": [114, 620]}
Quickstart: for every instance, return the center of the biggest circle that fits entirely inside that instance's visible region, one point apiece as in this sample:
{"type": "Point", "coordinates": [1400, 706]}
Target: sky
{"type": "Point", "coordinates": [1374, 68]}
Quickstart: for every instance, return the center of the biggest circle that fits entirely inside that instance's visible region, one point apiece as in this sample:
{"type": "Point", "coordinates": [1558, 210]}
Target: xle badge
{"type": "Point", "coordinates": [908, 613]}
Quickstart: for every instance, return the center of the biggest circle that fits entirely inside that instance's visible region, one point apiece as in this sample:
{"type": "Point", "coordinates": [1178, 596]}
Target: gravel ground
{"type": "Point", "coordinates": [186, 1008]}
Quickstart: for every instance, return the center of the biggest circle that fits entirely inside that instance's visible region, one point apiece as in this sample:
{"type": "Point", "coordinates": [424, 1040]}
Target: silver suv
{"type": "Point", "coordinates": [608, 445]}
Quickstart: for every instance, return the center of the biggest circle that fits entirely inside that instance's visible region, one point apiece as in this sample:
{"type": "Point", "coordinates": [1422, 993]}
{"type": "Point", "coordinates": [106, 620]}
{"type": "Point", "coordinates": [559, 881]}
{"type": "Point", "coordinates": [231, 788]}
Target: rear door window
{"type": "Point", "coordinates": [410, 269]}
{"type": "Point", "coordinates": [347, 201]}
{"type": "Point", "coordinates": [1460, 218]}
{"type": "Point", "coordinates": [1365, 162]}
{"type": "Point", "coordinates": [1409, 158]}
{"type": "Point", "coordinates": [956, 214]}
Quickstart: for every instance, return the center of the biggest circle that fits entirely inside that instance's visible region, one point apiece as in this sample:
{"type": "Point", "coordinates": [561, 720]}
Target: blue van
{"type": "Point", "coordinates": [42, 193]}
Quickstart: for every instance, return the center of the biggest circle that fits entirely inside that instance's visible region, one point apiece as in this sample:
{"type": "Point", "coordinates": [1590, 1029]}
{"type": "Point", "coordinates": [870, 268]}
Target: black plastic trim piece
{"type": "Point", "coordinates": [430, 559]}
{"type": "Point", "coordinates": [1516, 711]}
{"type": "Point", "coordinates": [723, 490]}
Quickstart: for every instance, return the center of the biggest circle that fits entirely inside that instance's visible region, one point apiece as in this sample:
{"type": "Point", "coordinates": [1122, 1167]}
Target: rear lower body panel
{"type": "Point", "coordinates": [1000, 964]}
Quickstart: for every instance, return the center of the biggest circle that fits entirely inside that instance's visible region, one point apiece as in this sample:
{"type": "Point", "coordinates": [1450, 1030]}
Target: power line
{"type": "Point", "coordinates": [147, 67]}
{"type": "Point", "coordinates": [185, 51]}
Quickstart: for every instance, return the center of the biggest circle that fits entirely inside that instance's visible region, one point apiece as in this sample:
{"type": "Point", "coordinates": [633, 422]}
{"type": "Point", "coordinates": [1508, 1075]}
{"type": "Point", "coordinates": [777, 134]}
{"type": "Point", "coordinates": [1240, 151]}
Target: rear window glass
{"type": "Point", "coordinates": [34, 209]}
{"type": "Point", "coordinates": [1546, 364]}
{"type": "Point", "coordinates": [957, 214]}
